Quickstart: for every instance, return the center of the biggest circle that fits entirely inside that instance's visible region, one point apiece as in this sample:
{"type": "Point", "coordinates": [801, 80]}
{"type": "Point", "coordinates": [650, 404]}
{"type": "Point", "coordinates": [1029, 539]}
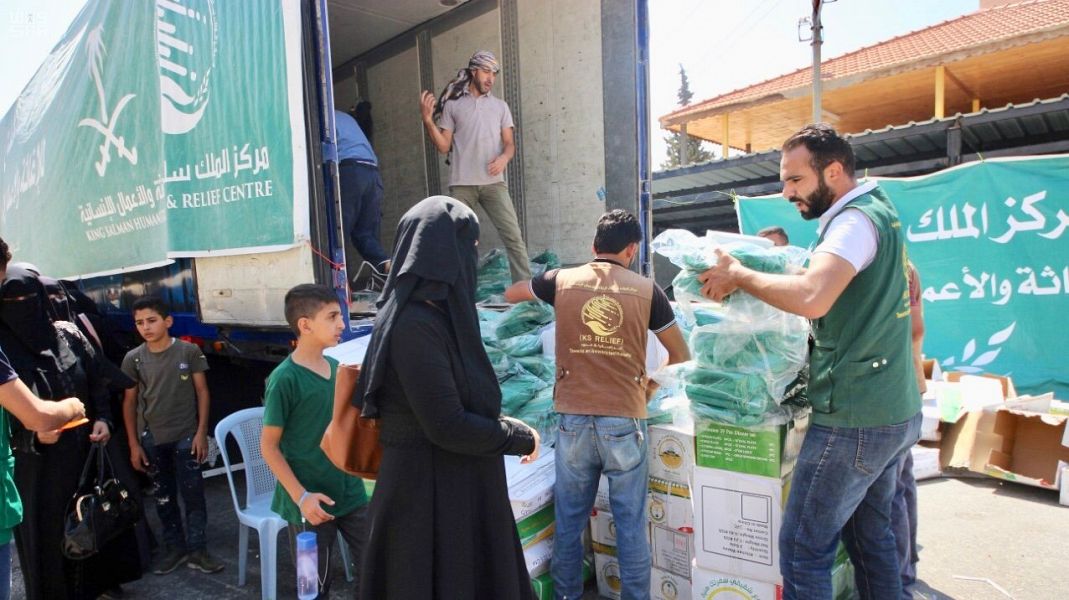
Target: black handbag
{"type": "Point", "coordinates": [100, 510]}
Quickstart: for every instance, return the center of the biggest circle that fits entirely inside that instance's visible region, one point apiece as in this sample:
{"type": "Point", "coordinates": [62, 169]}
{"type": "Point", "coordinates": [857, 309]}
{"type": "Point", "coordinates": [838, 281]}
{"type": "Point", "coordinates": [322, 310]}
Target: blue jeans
{"type": "Point", "coordinates": [361, 205]}
{"type": "Point", "coordinates": [5, 571]}
{"type": "Point", "coordinates": [588, 446]}
{"type": "Point", "coordinates": [844, 484]}
{"type": "Point", "coordinates": [904, 525]}
{"type": "Point", "coordinates": [174, 470]}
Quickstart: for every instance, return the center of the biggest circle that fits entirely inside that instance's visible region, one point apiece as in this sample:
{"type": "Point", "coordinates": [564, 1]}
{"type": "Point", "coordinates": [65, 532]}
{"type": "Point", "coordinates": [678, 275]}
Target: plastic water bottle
{"type": "Point", "coordinates": [307, 566]}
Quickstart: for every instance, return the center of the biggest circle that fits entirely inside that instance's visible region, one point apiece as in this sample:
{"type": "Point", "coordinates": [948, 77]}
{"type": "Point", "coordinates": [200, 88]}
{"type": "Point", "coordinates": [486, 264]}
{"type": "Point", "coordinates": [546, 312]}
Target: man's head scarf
{"type": "Point", "coordinates": [483, 59]}
{"type": "Point", "coordinates": [434, 259]}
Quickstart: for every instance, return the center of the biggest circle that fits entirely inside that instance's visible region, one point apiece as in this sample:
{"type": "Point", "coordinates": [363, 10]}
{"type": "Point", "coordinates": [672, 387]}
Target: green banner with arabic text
{"type": "Point", "coordinates": [155, 130]}
{"type": "Point", "coordinates": [990, 241]}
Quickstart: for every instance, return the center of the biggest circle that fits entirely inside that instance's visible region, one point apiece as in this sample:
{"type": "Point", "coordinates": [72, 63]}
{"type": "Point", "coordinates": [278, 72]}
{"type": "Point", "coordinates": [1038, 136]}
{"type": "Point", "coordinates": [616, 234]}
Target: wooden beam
{"type": "Point", "coordinates": [940, 91]}
{"type": "Point", "coordinates": [724, 145]}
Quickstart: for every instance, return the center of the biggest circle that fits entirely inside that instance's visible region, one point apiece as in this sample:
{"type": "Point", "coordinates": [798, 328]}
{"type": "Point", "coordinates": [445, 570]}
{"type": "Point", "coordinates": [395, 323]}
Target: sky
{"type": "Point", "coordinates": [723, 44]}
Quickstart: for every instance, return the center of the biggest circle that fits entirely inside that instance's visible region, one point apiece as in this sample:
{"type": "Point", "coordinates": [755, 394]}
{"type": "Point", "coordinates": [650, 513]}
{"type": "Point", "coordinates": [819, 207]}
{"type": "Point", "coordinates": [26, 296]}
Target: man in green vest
{"type": "Point", "coordinates": [866, 407]}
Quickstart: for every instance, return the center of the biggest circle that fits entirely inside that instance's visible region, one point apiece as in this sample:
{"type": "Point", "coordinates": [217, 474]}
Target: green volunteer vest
{"type": "Point", "coordinates": [861, 366]}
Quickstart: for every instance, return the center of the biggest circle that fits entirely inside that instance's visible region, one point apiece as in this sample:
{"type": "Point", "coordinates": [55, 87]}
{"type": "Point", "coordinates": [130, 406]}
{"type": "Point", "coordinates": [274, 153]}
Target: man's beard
{"type": "Point", "coordinates": [816, 204]}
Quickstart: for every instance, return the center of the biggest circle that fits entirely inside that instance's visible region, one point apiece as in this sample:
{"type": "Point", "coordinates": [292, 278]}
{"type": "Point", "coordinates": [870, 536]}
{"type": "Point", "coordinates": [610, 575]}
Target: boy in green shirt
{"type": "Point", "coordinates": [298, 406]}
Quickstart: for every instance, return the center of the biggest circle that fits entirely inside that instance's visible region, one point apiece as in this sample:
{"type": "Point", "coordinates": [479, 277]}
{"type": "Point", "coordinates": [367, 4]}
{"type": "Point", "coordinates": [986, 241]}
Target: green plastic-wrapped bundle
{"type": "Point", "coordinates": [545, 261]}
{"type": "Point", "coordinates": [518, 386]}
{"type": "Point", "coordinates": [543, 367]}
{"type": "Point", "coordinates": [686, 283]}
{"type": "Point", "coordinates": [745, 393]}
{"type": "Point", "coordinates": [488, 324]}
{"type": "Point", "coordinates": [766, 260]}
{"type": "Point", "coordinates": [524, 317]}
{"type": "Point", "coordinates": [525, 344]}
{"type": "Point", "coordinates": [500, 361]}
{"type": "Point", "coordinates": [493, 275]}
{"type": "Point", "coordinates": [539, 414]}
{"type": "Point", "coordinates": [772, 352]}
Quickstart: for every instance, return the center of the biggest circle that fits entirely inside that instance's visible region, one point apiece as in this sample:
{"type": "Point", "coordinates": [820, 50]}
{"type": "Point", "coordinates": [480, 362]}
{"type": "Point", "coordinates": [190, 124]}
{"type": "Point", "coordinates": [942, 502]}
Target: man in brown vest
{"type": "Point", "coordinates": [604, 313]}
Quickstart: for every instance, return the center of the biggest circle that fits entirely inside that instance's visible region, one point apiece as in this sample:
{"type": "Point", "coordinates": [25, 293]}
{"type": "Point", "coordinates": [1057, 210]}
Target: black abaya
{"type": "Point", "coordinates": [440, 522]}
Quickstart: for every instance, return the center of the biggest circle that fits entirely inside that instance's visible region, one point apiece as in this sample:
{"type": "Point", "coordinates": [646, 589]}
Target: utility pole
{"type": "Point", "coordinates": [817, 5]}
{"type": "Point", "coordinates": [816, 38]}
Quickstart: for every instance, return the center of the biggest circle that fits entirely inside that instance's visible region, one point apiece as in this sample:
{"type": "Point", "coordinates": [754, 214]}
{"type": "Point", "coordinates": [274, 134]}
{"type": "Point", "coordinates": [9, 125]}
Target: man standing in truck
{"type": "Point", "coordinates": [475, 128]}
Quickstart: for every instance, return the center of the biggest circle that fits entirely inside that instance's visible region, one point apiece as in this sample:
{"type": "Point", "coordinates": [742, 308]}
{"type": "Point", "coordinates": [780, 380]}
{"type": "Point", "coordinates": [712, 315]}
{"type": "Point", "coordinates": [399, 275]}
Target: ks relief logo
{"type": "Point", "coordinates": [603, 315]}
{"type": "Point", "coordinates": [611, 575]}
{"type": "Point", "coordinates": [670, 452]}
{"type": "Point", "coordinates": [187, 41]}
{"type": "Point", "coordinates": [669, 591]}
{"type": "Point", "coordinates": [109, 119]}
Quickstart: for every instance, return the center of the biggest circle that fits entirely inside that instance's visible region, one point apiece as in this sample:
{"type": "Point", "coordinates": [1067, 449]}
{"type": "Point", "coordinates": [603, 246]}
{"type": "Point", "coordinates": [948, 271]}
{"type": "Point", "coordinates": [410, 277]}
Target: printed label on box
{"type": "Point", "coordinates": [737, 521]}
{"type": "Point", "coordinates": [671, 454]}
{"type": "Point", "coordinates": [709, 585]}
{"type": "Point", "coordinates": [671, 550]}
{"type": "Point", "coordinates": [766, 451]}
{"type": "Point", "coordinates": [602, 528]}
{"type": "Point", "coordinates": [607, 571]}
{"type": "Point", "coordinates": [670, 505]}
{"type": "Point", "coordinates": [668, 586]}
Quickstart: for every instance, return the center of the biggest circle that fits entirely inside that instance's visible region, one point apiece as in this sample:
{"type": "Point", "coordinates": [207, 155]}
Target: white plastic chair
{"type": "Point", "coordinates": [246, 426]}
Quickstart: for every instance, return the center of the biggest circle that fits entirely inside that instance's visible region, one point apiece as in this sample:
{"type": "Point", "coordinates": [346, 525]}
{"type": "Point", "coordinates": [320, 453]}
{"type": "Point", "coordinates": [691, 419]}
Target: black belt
{"type": "Point", "coordinates": [356, 161]}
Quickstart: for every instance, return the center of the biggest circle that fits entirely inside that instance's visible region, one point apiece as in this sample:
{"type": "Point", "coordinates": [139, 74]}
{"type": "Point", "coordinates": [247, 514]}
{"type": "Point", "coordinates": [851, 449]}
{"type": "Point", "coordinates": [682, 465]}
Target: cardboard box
{"type": "Point", "coordinates": [925, 462]}
{"type": "Point", "coordinates": [1006, 383]}
{"type": "Point", "coordinates": [1063, 498]}
{"type": "Point", "coordinates": [1034, 443]}
{"type": "Point", "coordinates": [932, 417]}
{"type": "Point", "coordinates": [737, 518]}
{"type": "Point", "coordinates": [669, 586]}
{"type": "Point", "coordinates": [543, 584]}
{"type": "Point", "coordinates": [531, 485]}
{"type": "Point", "coordinates": [769, 451]}
{"type": "Point", "coordinates": [672, 550]}
{"type": "Point", "coordinates": [602, 528]}
{"type": "Point", "coordinates": [969, 436]}
{"type": "Point", "coordinates": [670, 505]}
{"type": "Point", "coordinates": [601, 501]}
{"type": "Point", "coordinates": [534, 526]}
{"type": "Point", "coordinates": [711, 585]}
{"type": "Point", "coordinates": [607, 572]}
{"type": "Point", "coordinates": [537, 554]}
{"type": "Point", "coordinates": [671, 451]}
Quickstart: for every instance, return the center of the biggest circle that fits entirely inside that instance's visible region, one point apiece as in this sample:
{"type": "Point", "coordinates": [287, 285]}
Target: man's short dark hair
{"type": "Point", "coordinates": [305, 300]}
{"type": "Point", "coordinates": [774, 230]}
{"type": "Point", "coordinates": [151, 303]}
{"type": "Point", "coordinates": [5, 254]}
{"type": "Point", "coordinates": [825, 145]}
{"type": "Point", "coordinates": [616, 229]}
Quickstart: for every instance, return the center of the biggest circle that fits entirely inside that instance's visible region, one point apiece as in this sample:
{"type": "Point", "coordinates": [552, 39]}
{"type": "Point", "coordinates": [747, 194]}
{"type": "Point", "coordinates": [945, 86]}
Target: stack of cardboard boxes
{"type": "Point", "coordinates": [741, 483]}
{"type": "Point", "coordinates": [670, 510]}
{"type": "Point", "coordinates": [716, 500]}
{"type": "Point", "coordinates": [531, 495]}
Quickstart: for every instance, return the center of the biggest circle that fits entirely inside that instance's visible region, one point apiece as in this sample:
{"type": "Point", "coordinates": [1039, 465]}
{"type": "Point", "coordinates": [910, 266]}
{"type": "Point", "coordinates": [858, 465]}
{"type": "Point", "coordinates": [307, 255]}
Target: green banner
{"type": "Point", "coordinates": [989, 241]}
{"type": "Point", "coordinates": [156, 130]}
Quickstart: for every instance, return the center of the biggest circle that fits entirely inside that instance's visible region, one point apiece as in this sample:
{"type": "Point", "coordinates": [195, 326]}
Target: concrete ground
{"type": "Point", "coordinates": [976, 536]}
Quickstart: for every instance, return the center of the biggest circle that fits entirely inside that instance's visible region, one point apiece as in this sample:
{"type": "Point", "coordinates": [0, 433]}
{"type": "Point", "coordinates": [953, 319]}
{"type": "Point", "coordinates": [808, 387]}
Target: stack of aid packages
{"type": "Point", "coordinates": [725, 431]}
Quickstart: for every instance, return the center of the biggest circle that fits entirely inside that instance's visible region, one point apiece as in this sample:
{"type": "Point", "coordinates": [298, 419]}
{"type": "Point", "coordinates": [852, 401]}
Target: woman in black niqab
{"type": "Point", "coordinates": [56, 361]}
{"type": "Point", "coordinates": [440, 523]}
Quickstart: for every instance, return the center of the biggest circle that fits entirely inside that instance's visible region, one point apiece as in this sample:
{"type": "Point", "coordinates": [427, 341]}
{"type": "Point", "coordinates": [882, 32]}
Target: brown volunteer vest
{"type": "Point", "coordinates": [603, 317]}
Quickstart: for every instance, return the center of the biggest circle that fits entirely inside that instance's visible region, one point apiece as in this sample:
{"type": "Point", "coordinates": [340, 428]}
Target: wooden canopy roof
{"type": "Point", "coordinates": [990, 58]}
